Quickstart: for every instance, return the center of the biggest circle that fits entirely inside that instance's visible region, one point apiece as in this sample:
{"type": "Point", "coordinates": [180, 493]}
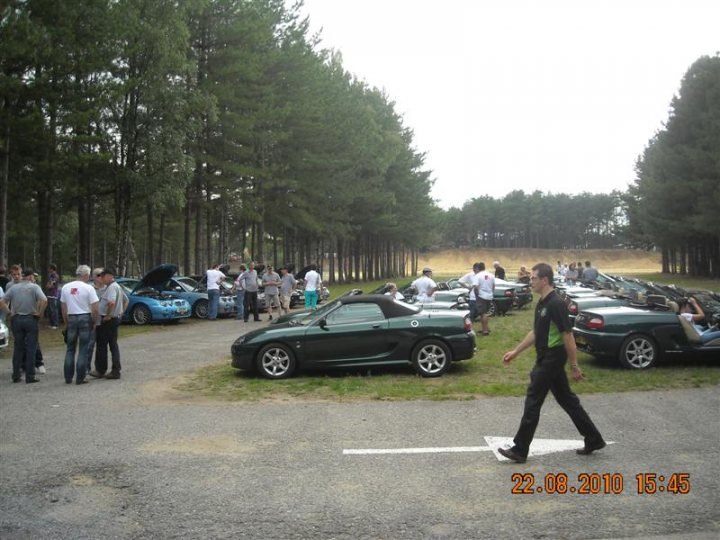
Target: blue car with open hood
{"type": "Point", "coordinates": [147, 301]}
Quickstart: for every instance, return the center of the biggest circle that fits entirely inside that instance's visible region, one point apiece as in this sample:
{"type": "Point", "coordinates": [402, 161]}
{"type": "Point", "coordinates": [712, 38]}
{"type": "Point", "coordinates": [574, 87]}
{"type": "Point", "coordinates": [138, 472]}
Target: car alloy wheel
{"type": "Point", "coordinates": [276, 361]}
{"type": "Point", "coordinates": [200, 309]}
{"type": "Point", "coordinates": [431, 358]}
{"type": "Point", "coordinates": [141, 315]}
{"type": "Point", "coordinates": [638, 352]}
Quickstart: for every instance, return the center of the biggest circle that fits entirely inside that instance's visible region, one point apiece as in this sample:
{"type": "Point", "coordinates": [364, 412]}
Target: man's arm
{"type": "Point", "coordinates": [527, 342]}
{"type": "Point", "coordinates": [94, 307]}
{"type": "Point", "coordinates": [571, 350]}
{"type": "Point", "coordinates": [63, 310]}
{"type": "Point", "coordinates": [42, 304]}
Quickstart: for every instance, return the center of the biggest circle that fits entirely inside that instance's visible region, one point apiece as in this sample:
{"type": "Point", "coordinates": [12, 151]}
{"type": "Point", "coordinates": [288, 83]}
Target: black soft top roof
{"type": "Point", "coordinates": [390, 307]}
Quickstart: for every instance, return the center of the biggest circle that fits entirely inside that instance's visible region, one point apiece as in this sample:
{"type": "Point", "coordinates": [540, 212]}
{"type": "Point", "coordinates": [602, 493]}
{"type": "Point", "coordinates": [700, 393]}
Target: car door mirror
{"type": "Point", "coordinates": [323, 323]}
{"type": "Point", "coordinates": [178, 289]}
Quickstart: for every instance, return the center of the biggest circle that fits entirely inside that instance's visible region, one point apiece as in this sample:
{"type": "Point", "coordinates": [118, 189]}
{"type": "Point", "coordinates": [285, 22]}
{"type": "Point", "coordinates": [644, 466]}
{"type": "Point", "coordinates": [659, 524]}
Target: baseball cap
{"type": "Point", "coordinates": [96, 272]}
{"type": "Point", "coordinates": [106, 271]}
{"type": "Point", "coordinates": [427, 269]}
{"type": "Point", "coordinates": [29, 272]}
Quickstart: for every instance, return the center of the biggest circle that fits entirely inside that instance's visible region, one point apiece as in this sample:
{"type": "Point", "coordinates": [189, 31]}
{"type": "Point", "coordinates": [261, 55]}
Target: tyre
{"type": "Point", "coordinates": [276, 361]}
{"type": "Point", "coordinates": [638, 352]}
{"type": "Point", "coordinates": [200, 309]}
{"type": "Point", "coordinates": [492, 309]}
{"type": "Point", "coordinates": [431, 358]}
{"type": "Point", "coordinates": [141, 315]}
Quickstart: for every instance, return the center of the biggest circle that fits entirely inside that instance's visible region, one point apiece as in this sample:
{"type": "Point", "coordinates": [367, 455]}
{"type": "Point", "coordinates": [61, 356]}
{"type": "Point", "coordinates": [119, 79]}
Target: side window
{"type": "Point", "coordinates": [354, 313]}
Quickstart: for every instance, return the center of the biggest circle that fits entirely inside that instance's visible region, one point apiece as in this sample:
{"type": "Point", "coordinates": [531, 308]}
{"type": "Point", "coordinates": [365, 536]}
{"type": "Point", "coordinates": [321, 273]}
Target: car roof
{"type": "Point", "coordinates": [390, 307]}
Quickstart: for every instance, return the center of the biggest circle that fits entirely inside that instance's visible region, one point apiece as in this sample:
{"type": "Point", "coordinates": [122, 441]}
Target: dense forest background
{"type": "Point", "coordinates": [134, 132]}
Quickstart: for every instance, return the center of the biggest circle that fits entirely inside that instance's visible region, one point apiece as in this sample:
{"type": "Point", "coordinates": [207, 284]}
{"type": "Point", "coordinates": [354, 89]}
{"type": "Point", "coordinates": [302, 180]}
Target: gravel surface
{"type": "Point", "coordinates": [134, 459]}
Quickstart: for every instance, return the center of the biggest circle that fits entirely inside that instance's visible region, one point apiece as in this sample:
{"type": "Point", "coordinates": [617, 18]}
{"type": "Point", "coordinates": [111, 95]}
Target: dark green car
{"type": "Point", "coordinates": [358, 331]}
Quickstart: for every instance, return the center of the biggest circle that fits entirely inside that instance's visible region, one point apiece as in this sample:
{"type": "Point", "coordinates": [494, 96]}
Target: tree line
{"type": "Point", "coordinates": [197, 131]}
{"type": "Point", "coordinates": [135, 132]}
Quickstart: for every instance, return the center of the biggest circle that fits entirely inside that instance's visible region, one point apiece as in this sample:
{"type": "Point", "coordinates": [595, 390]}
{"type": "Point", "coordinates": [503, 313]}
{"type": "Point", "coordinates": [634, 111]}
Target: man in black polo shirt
{"type": "Point", "coordinates": [554, 345]}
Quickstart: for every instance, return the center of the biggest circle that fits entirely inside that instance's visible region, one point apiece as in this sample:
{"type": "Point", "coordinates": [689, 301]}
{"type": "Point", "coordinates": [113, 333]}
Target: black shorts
{"type": "Point", "coordinates": [483, 306]}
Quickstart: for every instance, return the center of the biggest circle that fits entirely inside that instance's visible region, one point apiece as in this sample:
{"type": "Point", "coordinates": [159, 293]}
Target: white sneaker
{"type": "Point", "coordinates": [40, 370]}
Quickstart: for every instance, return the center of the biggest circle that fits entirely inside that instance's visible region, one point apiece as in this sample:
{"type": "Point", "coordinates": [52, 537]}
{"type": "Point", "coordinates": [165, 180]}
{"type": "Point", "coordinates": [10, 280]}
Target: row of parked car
{"type": "Point", "coordinates": [163, 296]}
{"type": "Point", "coordinates": [637, 322]}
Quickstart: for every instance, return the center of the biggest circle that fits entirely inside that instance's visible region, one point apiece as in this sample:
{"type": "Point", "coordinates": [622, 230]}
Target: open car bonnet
{"type": "Point", "coordinates": [158, 276]}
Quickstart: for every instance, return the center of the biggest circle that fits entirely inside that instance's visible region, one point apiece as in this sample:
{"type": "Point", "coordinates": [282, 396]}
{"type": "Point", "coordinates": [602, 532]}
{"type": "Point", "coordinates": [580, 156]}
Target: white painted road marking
{"type": "Point", "coordinates": [538, 447]}
{"type": "Point", "coordinates": [438, 450]}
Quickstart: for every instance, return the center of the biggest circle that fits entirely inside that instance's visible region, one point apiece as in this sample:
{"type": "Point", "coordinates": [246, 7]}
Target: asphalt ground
{"type": "Point", "coordinates": [135, 459]}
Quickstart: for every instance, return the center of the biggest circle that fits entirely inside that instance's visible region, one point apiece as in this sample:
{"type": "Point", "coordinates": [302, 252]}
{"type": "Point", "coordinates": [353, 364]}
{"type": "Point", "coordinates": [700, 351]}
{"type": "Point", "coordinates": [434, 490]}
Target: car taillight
{"type": "Point", "coordinates": [509, 292]}
{"type": "Point", "coordinates": [572, 308]}
{"type": "Point", "coordinates": [595, 323]}
{"type": "Point", "coordinates": [468, 324]}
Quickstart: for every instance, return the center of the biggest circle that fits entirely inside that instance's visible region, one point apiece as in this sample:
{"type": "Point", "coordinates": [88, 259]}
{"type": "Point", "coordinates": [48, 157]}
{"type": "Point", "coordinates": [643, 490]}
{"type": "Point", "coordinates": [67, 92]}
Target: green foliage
{"type": "Point", "coordinates": [674, 202]}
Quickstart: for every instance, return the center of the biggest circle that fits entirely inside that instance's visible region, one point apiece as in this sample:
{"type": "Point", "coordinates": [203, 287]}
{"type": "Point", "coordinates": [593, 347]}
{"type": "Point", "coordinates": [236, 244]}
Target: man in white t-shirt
{"type": "Point", "coordinates": [79, 305]}
{"type": "Point", "coordinates": [425, 286]}
{"type": "Point", "coordinates": [484, 290]}
{"type": "Point", "coordinates": [214, 278]}
{"type": "Point", "coordinates": [469, 281]}
{"type": "Point", "coordinates": [313, 282]}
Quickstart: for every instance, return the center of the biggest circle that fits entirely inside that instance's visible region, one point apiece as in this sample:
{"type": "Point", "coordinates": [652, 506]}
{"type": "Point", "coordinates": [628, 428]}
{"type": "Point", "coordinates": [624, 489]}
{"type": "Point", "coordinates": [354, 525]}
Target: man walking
{"type": "Point", "coordinates": [214, 278]}
{"type": "Point", "coordinates": [554, 346]}
{"type": "Point", "coordinates": [79, 305]}
{"type": "Point", "coordinates": [28, 303]}
{"type": "Point", "coordinates": [112, 306]}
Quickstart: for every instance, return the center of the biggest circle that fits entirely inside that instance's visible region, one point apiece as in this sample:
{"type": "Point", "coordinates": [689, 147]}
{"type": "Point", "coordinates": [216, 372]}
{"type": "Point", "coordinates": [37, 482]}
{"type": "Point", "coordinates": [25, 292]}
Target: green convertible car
{"type": "Point", "coordinates": [358, 331]}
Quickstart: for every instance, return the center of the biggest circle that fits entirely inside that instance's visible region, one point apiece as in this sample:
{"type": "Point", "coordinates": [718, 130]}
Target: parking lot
{"type": "Point", "coordinates": [134, 458]}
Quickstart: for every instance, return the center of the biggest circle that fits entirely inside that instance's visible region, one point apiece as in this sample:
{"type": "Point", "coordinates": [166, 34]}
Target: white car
{"type": "Point", "coordinates": [4, 335]}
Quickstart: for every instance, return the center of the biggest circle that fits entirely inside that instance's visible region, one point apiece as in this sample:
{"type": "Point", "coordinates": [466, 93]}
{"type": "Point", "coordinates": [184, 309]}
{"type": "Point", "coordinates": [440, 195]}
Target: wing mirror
{"type": "Point", "coordinates": [323, 323]}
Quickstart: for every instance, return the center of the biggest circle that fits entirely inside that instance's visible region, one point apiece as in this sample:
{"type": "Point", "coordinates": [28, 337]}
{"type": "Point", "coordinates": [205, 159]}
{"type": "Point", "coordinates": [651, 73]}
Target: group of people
{"type": "Point", "coordinates": [278, 290]}
{"type": "Point", "coordinates": [481, 285]}
{"type": "Point", "coordinates": [575, 273]}
{"type": "Point", "coordinates": [91, 314]}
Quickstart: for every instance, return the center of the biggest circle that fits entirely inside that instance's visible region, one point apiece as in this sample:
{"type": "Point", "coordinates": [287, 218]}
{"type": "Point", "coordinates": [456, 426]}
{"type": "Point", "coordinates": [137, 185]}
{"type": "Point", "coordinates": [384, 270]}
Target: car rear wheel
{"type": "Point", "coordinates": [200, 309]}
{"type": "Point", "coordinates": [492, 309]}
{"type": "Point", "coordinates": [431, 358]}
{"type": "Point", "coordinates": [141, 315]}
{"type": "Point", "coordinates": [276, 361]}
{"type": "Point", "coordinates": [638, 352]}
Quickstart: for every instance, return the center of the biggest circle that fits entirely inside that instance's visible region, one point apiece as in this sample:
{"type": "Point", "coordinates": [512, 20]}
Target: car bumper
{"type": "Point", "coordinates": [463, 346]}
{"type": "Point", "coordinates": [597, 343]}
{"type": "Point", "coordinates": [242, 358]}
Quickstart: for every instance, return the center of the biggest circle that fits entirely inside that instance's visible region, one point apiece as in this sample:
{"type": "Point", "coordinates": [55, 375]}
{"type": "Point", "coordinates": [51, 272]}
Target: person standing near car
{"type": "Point", "coordinates": [470, 282]}
{"type": "Point", "coordinates": [484, 291]}
{"type": "Point", "coordinates": [239, 284]}
{"type": "Point", "coordinates": [79, 306]}
{"type": "Point", "coordinates": [425, 285]}
{"type": "Point", "coordinates": [287, 286]}
{"type": "Point", "coordinates": [312, 283]}
{"type": "Point", "coordinates": [27, 305]}
{"type": "Point", "coordinates": [214, 277]}
{"type": "Point", "coordinates": [499, 270]}
{"type": "Point", "coordinates": [590, 273]}
{"type": "Point", "coordinates": [554, 346]}
{"type": "Point", "coordinates": [271, 282]}
{"type": "Point", "coordinates": [99, 287]}
{"type": "Point", "coordinates": [113, 304]}
{"type": "Point", "coordinates": [251, 293]}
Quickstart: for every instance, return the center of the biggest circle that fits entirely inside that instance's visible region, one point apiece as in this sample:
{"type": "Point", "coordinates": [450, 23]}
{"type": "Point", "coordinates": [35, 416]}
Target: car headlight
{"type": "Point", "coordinates": [240, 340]}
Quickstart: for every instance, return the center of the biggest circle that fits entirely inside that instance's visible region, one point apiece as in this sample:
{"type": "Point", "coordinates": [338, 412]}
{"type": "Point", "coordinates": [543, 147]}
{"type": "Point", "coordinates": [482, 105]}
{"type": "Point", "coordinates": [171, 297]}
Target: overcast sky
{"type": "Point", "coordinates": [560, 96]}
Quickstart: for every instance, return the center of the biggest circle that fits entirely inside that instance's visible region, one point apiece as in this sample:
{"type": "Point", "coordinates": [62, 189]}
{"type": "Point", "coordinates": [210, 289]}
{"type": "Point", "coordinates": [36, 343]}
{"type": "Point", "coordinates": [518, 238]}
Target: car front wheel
{"type": "Point", "coordinates": [431, 358]}
{"type": "Point", "coordinates": [276, 361]}
{"type": "Point", "coordinates": [141, 315]}
{"type": "Point", "coordinates": [638, 352]}
{"type": "Point", "coordinates": [200, 309]}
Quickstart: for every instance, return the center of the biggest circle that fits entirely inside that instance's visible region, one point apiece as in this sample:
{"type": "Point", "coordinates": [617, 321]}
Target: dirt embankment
{"type": "Point", "coordinates": [450, 262]}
